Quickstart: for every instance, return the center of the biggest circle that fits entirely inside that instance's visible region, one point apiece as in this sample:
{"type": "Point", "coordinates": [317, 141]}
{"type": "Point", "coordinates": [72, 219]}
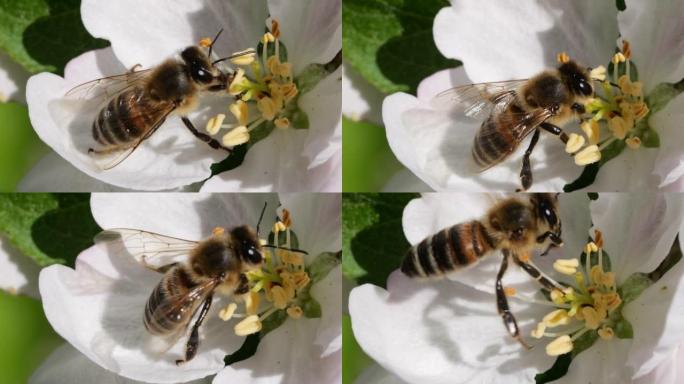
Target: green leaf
{"type": "Point", "coordinates": [43, 35]}
{"type": "Point", "coordinates": [590, 171]}
{"type": "Point", "coordinates": [322, 265]}
{"type": "Point", "coordinates": [634, 286]}
{"type": "Point", "coordinates": [558, 369]}
{"type": "Point", "coordinates": [20, 147]}
{"type": "Point", "coordinates": [662, 94]}
{"type": "Point", "coordinates": [390, 43]}
{"type": "Point", "coordinates": [273, 321]}
{"type": "Point", "coordinates": [623, 329]}
{"type": "Point", "coordinates": [49, 228]}
{"type": "Point", "coordinates": [368, 161]}
{"type": "Point", "coordinates": [373, 242]}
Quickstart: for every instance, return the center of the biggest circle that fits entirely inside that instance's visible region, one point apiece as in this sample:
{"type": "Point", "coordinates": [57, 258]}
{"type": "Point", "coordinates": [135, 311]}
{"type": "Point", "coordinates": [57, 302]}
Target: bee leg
{"type": "Point", "coordinates": [536, 274]}
{"type": "Point", "coordinates": [556, 130]}
{"type": "Point", "coordinates": [502, 304]}
{"type": "Point", "coordinates": [578, 108]}
{"type": "Point", "coordinates": [526, 171]}
{"type": "Point", "coordinates": [193, 340]}
{"type": "Point", "coordinates": [243, 286]}
{"type": "Point", "coordinates": [204, 137]}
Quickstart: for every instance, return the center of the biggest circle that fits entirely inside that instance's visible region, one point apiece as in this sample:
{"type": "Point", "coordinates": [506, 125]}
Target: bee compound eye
{"type": "Point", "coordinates": [584, 88]}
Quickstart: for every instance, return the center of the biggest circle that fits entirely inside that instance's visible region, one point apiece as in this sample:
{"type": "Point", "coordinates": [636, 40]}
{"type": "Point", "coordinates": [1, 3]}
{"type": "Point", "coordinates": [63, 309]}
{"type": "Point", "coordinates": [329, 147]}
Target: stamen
{"type": "Point", "coordinates": [236, 136]}
{"type": "Point", "coordinates": [559, 346]}
{"type": "Point", "coordinates": [214, 124]}
{"type": "Point", "coordinates": [606, 332]}
{"type": "Point", "coordinates": [252, 301]}
{"type": "Point", "coordinates": [243, 58]}
{"type": "Point", "coordinates": [575, 142]}
{"type": "Point", "coordinates": [566, 266]}
{"type": "Point", "coordinates": [295, 312]}
{"type": "Point", "coordinates": [282, 122]}
{"type": "Point", "coordinates": [588, 155]}
{"type": "Point", "coordinates": [538, 331]}
{"type": "Point", "coordinates": [251, 324]}
{"type": "Point", "coordinates": [268, 108]}
{"type": "Point", "coordinates": [240, 111]}
{"type": "Point", "coordinates": [227, 313]}
{"type": "Point", "coordinates": [598, 73]}
{"type": "Point", "coordinates": [556, 318]}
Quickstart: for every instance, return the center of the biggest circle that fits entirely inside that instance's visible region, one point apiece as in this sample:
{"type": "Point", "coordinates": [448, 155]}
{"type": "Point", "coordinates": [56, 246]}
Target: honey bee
{"type": "Point", "coordinates": [192, 272]}
{"type": "Point", "coordinates": [514, 109]}
{"type": "Point", "coordinates": [516, 226]}
{"type": "Point", "coordinates": [132, 106]}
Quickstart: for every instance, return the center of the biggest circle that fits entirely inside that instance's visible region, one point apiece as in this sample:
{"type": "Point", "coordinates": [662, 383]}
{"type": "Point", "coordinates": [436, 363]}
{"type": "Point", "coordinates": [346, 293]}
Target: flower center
{"type": "Point", "coordinates": [280, 286]}
{"type": "Point", "coordinates": [268, 92]}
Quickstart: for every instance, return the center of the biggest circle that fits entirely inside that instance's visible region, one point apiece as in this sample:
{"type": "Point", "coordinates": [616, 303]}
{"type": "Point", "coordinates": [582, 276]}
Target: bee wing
{"type": "Point", "coordinates": [477, 100]}
{"type": "Point", "coordinates": [110, 159]}
{"type": "Point", "coordinates": [101, 90]}
{"type": "Point", "coordinates": [150, 249]}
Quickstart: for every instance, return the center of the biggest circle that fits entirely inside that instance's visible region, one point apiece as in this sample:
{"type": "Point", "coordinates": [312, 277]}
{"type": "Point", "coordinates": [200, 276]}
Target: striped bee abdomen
{"type": "Point", "coordinates": [492, 144]}
{"type": "Point", "coordinates": [122, 121]}
{"type": "Point", "coordinates": [164, 314]}
{"type": "Point", "coordinates": [448, 250]}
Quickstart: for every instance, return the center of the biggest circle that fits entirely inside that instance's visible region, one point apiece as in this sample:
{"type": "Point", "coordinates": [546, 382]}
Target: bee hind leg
{"type": "Point", "coordinates": [502, 304]}
{"type": "Point", "coordinates": [526, 171]}
{"type": "Point", "coordinates": [204, 137]}
{"type": "Point", "coordinates": [193, 340]}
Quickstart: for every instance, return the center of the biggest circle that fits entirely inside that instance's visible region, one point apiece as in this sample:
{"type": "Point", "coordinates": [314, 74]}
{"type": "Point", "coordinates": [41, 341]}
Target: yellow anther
{"type": "Point", "coordinates": [538, 331]}
{"type": "Point", "coordinates": [214, 124]}
{"type": "Point", "coordinates": [295, 312]}
{"type": "Point", "coordinates": [301, 279]}
{"type": "Point", "coordinates": [608, 279]}
{"type": "Point", "coordinates": [590, 247]}
{"type": "Point", "coordinates": [556, 318]}
{"type": "Point", "coordinates": [268, 38]}
{"type": "Point", "coordinates": [575, 142]}
{"type": "Point", "coordinates": [606, 332]}
{"type": "Point", "coordinates": [218, 231]}
{"type": "Point", "coordinates": [562, 58]}
{"type": "Point", "coordinates": [612, 301]}
{"type": "Point", "coordinates": [289, 91]}
{"type": "Point", "coordinates": [227, 313]}
{"type": "Point", "coordinates": [566, 266]}
{"type": "Point", "coordinates": [288, 257]}
{"type": "Point", "coordinates": [619, 127]}
{"type": "Point", "coordinates": [591, 129]}
{"type": "Point", "coordinates": [592, 320]}
{"type": "Point", "coordinates": [280, 297]}
{"type": "Point", "coordinates": [626, 49]}
{"type": "Point", "coordinates": [252, 301]}
{"type": "Point", "coordinates": [598, 73]}
{"type": "Point", "coordinates": [618, 58]}
{"type": "Point", "coordinates": [509, 291]}
{"type": "Point", "coordinates": [267, 107]}
{"type": "Point", "coordinates": [595, 274]}
{"type": "Point", "coordinates": [286, 219]}
{"type": "Point", "coordinates": [588, 155]}
{"type": "Point", "coordinates": [205, 42]}
{"type": "Point", "coordinates": [628, 87]}
{"type": "Point", "coordinates": [251, 324]}
{"type": "Point", "coordinates": [559, 346]}
{"type": "Point", "coordinates": [240, 111]}
{"type": "Point", "coordinates": [640, 110]}
{"type": "Point", "coordinates": [239, 83]}
{"type": "Point", "coordinates": [598, 238]}
{"type": "Point", "coordinates": [279, 227]}
{"type": "Point", "coordinates": [245, 57]}
{"type": "Point", "coordinates": [557, 296]}
{"type": "Point", "coordinates": [633, 142]}
{"type": "Point", "coordinates": [236, 136]}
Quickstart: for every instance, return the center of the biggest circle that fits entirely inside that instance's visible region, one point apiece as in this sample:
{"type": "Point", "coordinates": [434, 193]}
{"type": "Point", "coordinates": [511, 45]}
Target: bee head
{"type": "Point", "coordinates": [547, 211]}
{"type": "Point", "coordinates": [198, 65]}
{"type": "Point", "coordinates": [514, 220]}
{"type": "Point", "coordinates": [246, 245]}
{"type": "Point", "coordinates": [576, 79]}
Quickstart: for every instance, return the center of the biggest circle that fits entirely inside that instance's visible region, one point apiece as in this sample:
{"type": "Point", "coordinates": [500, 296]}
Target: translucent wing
{"type": "Point", "coordinates": [478, 100]}
{"type": "Point", "coordinates": [151, 249]}
{"type": "Point", "coordinates": [182, 305]}
{"type": "Point", "coordinates": [100, 90]}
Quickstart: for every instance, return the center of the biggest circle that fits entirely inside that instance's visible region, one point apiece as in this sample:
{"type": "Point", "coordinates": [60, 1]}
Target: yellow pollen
{"type": "Point", "coordinates": [509, 291]}
{"type": "Point", "coordinates": [588, 155]}
{"type": "Point", "coordinates": [608, 279]}
{"type": "Point", "coordinates": [295, 312]}
{"type": "Point", "coordinates": [556, 318]}
{"type": "Point", "coordinates": [591, 129]}
{"type": "Point", "coordinates": [592, 320]}
{"type": "Point", "coordinates": [239, 82]}
{"type": "Point", "coordinates": [640, 110]}
{"type": "Point", "coordinates": [251, 324]}
{"type": "Point", "coordinates": [205, 42]}
{"type": "Point", "coordinates": [227, 313]}
{"type": "Point", "coordinates": [575, 142]}
{"type": "Point", "coordinates": [282, 122]}
{"type": "Point", "coordinates": [267, 107]}
{"type": "Point", "coordinates": [559, 346]}
{"type": "Point", "coordinates": [280, 297]}
{"type": "Point", "coordinates": [218, 231]}
{"type": "Point", "coordinates": [618, 58]}
{"type": "Point", "coordinates": [245, 57]}
{"type": "Point", "coordinates": [628, 87]}
{"type": "Point", "coordinates": [279, 227]}
{"type": "Point", "coordinates": [268, 38]}
{"type": "Point", "coordinates": [595, 274]}
{"type": "Point", "coordinates": [557, 296]}
{"type": "Point", "coordinates": [288, 257]}
{"type": "Point", "coordinates": [252, 301]}
{"type": "Point", "coordinates": [566, 266]}
{"type": "Point", "coordinates": [289, 91]}
{"type": "Point", "coordinates": [562, 58]}
{"type": "Point", "coordinates": [633, 142]}
{"type": "Point", "coordinates": [619, 127]}
{"type": "Point", "coordinates": [236, 136]}
{"type": "Point", "coordinates": [612, 301]}
{"type": "Point", "coordinates": [538, 331]}
{"type": "Point", "coordinates": [590, 247]}
{"type": "Point", "coordinates": [214, 124]}
{"type": "Point", "coordinates": [606, 332]}
{"type": "Point", "coordinates": [598, 73]}
{"type": "Point", "coordinates": [240, 111]}
{"type": "Point", "coordinates": [524, 257]}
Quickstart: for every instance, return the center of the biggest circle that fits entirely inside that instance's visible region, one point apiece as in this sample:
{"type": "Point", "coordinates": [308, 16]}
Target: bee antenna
{"type": "Point", "coordinates": [243, 53]}
{"type": "Point", "coordinates": [287, 249]}
{"type": "Point", "coordinates": [263, 210]}
{"type": "Point", "coordinates": [211, 47]}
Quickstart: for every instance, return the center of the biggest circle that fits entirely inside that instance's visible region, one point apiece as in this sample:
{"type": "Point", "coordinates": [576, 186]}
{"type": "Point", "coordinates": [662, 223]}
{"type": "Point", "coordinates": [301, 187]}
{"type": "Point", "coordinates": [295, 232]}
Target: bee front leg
{"type": "Point", "coordinates": [243, 285]}
{"type": "Point", "coordinates": [502, 303]}
{"type": "Point", "coordinates": [526, 171]}
{"type": "Point", "coordinates": [556, 130]}
{"type": "Point", "coordinates": [193, 340]}
{"type": "Point", "coordinates": [204, 137]}
{"type": "Point", "coordinates": [536, 274]}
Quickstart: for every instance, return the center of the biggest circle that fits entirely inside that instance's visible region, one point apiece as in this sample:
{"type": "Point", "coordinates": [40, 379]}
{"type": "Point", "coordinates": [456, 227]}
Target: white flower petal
{"type": "Point", "coordinates": [405, 181]}
{"type": "Point", "coordinates": [171, 158]}
{"type": "Point", "coordinates": [286, 355]}
{"type": "Point", "coordinates": [12, 80]}
{"type": "Point", "coordinates": [66, 365]}
{"type": "Point", "coordinates": [54, 174]}
{"type": "Point", "coordinates": [656, 318]}
{"type": "Point", "coordinates": [506, 40]}
{"type": "Point", "coordinates": [657, 46]}
{"type": "Point", "coordinates": [327, 293]}
{"type": "Point", "coordinates": [376, 374]}
{"type": "Point", "coordinates": [19, 272]}
{"type": "Point", "coordinates": [323, 105]}
{"type": "Point", "coordinates": [316, 221]}
{"type": "Point", "coordinates": [668, 372]}
{"type": "Point", "coordinates": [107, 295]}
{"type": "Point", "coordinates": [276, 163]}
{"type": "Point", "coordinates": [361, 99]}
{"type": "Point", "coordinates": [441, 332]}
{"type": "Point", "coordinates": [669, 164]}
{"type": "Point", "coordinates": [600, 363]}
{"type": "Point", "coordinates": [311, 30]}
{"type": "Point", "coordinates": [638, 229]}
{"type": "Point", "coordinates": [436, 145]}
{"type": "Point", "coordinates": [618, 174]}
